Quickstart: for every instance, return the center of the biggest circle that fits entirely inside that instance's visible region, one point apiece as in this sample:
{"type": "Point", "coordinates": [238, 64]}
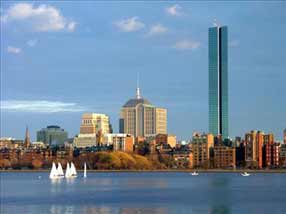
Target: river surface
{"type": "Point", "coordinates": [136, 192]}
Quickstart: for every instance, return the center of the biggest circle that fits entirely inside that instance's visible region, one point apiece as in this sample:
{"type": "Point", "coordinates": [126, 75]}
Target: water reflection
{"type": "Point", "coordinates": [62, 209]}
{"type": "Point", "coordinates": [144, 183]}
{"type": "Point", "coordinates": [154, 210]}
{"type": "Point", "coordinates": [97, 210]}
{"type": "Point", "coordinates": [219, 181]}
{"type": "Point", "coordinates": [220, 210]}
{"type": "Point", "coordinates": [70, 180]}
{"type": "Point", "coordinates": [107, 210]}
{"type": "Point", "coordinates": [56, 181]}
{"type": "Point", "coordinates": [120, 193]}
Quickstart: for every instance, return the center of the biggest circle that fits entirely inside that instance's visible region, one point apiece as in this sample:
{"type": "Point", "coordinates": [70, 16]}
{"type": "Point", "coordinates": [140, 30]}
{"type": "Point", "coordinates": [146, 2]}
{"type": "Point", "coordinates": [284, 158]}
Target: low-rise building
{"type": "Point", "coordinates": [38, 144]}
{"type": "Point", "coordinates": [183, 159]}
{"type": "Point", "coordinates": [253, 149]}
{"type": "Point", "coordinates": [224, 157]}
{"type": "Point", "coordinates": [268, 142]}
{"type": "Point", "coordinates": [120, 141]}
{"type": "Point", "coordinates": [282, 155]}
{"type": "Point", "coordinates": [166, 139]}
{"type": "Point", "coordinates": [52, 135]}
{"type": "Point", "coordinates": [85, 140]}
{"type": "Point", "coordinates": [275, 154]}
{"type": "Point", "coordinates": [10, 143]}
{"type": "Point", "coordinates": [201, 147]}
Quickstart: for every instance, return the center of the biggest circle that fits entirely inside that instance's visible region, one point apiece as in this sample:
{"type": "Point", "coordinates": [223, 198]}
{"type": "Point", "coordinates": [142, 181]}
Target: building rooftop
{"type": "Point", "coordinates": [53, 127]}
{"type": "Point", "coordinates": [135, 102]}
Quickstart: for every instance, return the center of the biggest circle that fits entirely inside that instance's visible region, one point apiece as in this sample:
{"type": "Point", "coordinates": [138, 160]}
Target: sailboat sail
{"type": "Point", "coordinates": [60, 170]}
{"type": "Point", "coordinates": [53, 173]}
{"type": "Point", "coordinates": [68, 174]}
{"type": "Point", "coordinates": [84, 173]}
{"type": "Point", "coordinates": [73, 170]}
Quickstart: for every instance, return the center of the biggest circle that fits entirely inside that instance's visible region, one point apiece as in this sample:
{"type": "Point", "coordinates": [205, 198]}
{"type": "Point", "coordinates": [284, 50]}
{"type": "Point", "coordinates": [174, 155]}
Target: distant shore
{"type": "Point", "coordinates": [166, 170]}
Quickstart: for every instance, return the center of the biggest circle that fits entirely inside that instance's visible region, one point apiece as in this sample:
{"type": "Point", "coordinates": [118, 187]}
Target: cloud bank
{"type": "Point", "coordinates": [187, 45]}
{"type": "Point", "coordinates": [175, 10]}
{"type": "Point", "coordinates": [43, 18]}
{"type": "Point", "coordinates": [129, 25]}
{"type": "Point", "coordinates": [40, 106]}
{"type": "Point", "coordinates": [32, 42]}
{"type": "Point", "coordinates": [157, 29]}
{"type": "Point", "coordinates": [14, 50]}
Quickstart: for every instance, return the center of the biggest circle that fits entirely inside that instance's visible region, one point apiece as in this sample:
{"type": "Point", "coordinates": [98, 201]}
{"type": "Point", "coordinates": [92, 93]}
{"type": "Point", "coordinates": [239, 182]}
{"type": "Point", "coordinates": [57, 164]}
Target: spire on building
{"type": "Point", "coordinates": [215, 23]}
{"type": "Point", "coordinates": [138, 96]}
{"type": "Point", "coordinates": [27, 138]}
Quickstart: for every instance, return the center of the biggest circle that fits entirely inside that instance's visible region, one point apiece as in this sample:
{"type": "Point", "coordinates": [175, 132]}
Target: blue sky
{"type": "Point", "coordinates": [59, 59]}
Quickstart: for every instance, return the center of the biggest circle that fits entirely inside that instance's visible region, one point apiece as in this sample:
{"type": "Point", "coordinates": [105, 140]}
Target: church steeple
{"type": "Point", "coordinates": [27, 138]}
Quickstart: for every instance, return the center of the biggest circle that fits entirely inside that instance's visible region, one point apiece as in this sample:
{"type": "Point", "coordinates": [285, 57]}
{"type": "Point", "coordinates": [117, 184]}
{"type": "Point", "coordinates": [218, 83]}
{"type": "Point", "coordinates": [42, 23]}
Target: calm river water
{"type": "Point", "coordinates": [126, 193]}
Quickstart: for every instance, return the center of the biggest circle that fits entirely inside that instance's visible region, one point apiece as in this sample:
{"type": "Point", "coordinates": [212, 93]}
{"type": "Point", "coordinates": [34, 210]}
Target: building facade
{"type": "Point", "coordinates": [268, 141]}
{"type": "Point", "coordinates": [282, 155]}
{"type": "Point", "coordinates": [275, 155]}
{"type": "Point", "coordinates": [52, 135]}
{"type": "Point", "coordinates": [218, 81]}
{"type": "Point", "coordinates": [85, 140]}
{"type": "Point", "coordinates": [92, 123]}
{"type": "Point", "coordinates": [10, 143]}
{"type": "Point", "coordinates": [139, 117]}
{"type": "Point", "coordinates": [120, 142]}
{"type": "Point", "coordinates": [171, 140]}
{"type": "Point", "coordinates": [253, 149]}
{"type": "Point", "coordinates": [224, 157]}
{"type": "Point", "coordinates": [201, 147]}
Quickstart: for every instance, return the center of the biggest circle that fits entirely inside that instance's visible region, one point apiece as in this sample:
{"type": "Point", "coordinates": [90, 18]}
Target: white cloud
{"type": "Point", "coordinates": [71, 26]}
{"type": "Point", "coordinates": [157, 29]}
{"type": "Point", "coordinates": [40, 106]}
{"type": "Point", "coordinates": [32, 42]}
{"type": "Point", "coordinates": [187, 45]}
{"type": "Point", "coordinates": [42, 18]}
{"type": "Point", "coordinates": [175, 10]}
{"type": "Point", "coordinates": [129, 25]}
{"type": "Point", "coordinates": [233, 43]}
{"type": "Point", "coordinates": [14, 50]}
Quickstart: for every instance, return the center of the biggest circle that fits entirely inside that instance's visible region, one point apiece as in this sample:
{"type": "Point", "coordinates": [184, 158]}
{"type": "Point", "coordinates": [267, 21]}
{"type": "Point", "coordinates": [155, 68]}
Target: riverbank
{"type": "Point", "coordinates": [165, 170]}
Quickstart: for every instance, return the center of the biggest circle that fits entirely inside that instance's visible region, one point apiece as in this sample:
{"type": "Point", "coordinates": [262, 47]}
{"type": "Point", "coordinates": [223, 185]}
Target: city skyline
{"type": "Point", "coordinates": [56, 82]}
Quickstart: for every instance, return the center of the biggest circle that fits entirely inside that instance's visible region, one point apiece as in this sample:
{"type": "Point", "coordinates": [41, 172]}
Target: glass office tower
{"type": "Point", "coordinates": [218, 81]}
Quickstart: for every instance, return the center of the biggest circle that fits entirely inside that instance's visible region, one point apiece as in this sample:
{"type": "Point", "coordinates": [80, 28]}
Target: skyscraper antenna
{"type": "Point", "coordinates": [137, 79]}
{"type": "Point", "coordinates": [215, 22]}
{"type": "Point", "coordinates": [138, 96]}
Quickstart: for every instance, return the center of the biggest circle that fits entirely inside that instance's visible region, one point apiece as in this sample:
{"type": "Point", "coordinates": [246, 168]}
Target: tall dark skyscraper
{"type": "Point", "coordinates": [218, 81]}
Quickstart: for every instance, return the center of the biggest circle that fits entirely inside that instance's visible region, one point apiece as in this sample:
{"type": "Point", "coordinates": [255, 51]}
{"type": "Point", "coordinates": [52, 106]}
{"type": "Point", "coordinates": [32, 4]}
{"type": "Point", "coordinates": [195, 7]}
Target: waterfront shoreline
{"type": "Point", "coordinates": [162, 171]}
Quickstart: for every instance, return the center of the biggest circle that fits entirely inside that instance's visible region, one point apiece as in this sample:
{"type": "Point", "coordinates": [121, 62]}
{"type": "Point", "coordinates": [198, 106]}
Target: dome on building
{"type": "Point", "coordinates": [136, 101]}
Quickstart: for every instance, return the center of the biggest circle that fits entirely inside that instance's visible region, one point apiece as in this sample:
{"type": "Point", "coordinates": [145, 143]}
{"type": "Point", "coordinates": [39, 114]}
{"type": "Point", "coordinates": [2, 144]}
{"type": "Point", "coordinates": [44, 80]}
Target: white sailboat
{"type": "Point", "coordinates": [84, 172]}
{"type": "Point", "coordinates": [73, 170]}
{"type": "Point", "coordinates": [245, 174]}
{"type": "Point", "coordinates": [68, 173]}
{"type": "Point", "coordinates": [54, 172]}
{"type": "Point", "coordinates": [194, 173]}
{"type": "Point", "coordinates": [60, 171]}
